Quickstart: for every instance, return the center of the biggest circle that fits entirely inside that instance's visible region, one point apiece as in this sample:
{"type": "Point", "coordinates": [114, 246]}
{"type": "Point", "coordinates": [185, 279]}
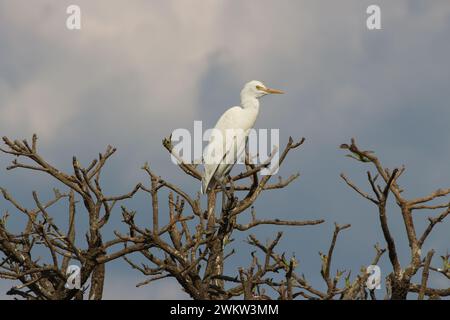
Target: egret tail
{"type": "Point", "coordinates": [207, 184]}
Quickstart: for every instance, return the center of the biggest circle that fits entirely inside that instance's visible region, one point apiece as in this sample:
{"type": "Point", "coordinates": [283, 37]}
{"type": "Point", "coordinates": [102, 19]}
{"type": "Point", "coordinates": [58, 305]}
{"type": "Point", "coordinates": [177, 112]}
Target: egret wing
{"type": "Point", "coordinates": [226, 143]}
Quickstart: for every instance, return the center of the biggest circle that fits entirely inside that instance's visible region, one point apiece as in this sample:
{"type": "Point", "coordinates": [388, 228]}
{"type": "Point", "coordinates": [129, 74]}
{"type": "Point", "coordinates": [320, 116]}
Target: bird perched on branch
{"type": "Point", "coordinates": [227, 141]}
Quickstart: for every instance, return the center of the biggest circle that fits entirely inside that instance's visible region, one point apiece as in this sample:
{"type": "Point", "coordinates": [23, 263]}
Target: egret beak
{"type": "Point", "coordinates": [273, 91]}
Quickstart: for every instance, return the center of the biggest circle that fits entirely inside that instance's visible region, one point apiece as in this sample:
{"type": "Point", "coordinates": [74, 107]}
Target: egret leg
{"type": "Point", "coordinates": [231, 185]}
{"type": "Point", "coordinates": [225, 194]}
{"type": "Point", "coordinates": [222, 185]}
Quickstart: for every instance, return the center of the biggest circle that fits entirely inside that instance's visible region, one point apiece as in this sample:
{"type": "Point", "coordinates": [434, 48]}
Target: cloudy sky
{"type": "Point", "coordinates": [139, 69]}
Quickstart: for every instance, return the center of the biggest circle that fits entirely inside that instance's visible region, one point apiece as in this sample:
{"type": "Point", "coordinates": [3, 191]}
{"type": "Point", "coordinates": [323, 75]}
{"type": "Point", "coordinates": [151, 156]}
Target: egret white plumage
{"type": "Point", "coordinates": [228, 138]}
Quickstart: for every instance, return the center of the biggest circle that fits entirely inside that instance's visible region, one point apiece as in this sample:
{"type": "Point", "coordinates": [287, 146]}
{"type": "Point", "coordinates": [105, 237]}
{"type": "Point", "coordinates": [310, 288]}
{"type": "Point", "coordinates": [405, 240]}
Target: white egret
{"type": "Point", "coordinates": [227, 141]}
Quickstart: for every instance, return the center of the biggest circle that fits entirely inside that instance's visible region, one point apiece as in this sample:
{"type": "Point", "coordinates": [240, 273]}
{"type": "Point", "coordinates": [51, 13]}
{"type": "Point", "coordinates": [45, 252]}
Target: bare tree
{"type": "Point", "coordinates": [23, 251]}
{"type": "Point", "coordinates": [195, 255]}
{"type": "Point", "coordinates": [192, 244]}
{"type": "Point", "coordinates": [399, 281]}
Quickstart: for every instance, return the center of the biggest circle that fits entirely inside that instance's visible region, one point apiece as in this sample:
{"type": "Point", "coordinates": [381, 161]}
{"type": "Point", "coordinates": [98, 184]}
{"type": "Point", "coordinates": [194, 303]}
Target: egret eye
{"type": "Point", "coordinates": [258, 87]}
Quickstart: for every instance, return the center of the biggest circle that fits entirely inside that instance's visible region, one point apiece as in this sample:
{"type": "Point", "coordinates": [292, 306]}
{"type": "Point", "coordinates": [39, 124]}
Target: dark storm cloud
{"type": "Point", "coordinates": [138, 70]}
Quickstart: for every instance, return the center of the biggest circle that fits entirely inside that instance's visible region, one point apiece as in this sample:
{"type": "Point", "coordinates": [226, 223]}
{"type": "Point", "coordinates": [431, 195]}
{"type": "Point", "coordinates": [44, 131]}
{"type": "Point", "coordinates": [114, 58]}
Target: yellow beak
{"type": "Point", "coordinates": [273, 91]}
{"type": "Point", "coordinates": [269, 90]}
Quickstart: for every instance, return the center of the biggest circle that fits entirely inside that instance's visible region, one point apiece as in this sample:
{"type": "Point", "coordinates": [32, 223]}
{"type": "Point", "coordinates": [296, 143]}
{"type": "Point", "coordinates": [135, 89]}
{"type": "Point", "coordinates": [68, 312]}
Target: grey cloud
{"type": "Point", "coordinates": [138, 70]}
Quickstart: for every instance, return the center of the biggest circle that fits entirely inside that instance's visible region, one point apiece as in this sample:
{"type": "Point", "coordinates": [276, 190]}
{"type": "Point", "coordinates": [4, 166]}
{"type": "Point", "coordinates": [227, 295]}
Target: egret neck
{"type": "Point", "coordinates": [249, 102]}
{"type": "Point", "coordinates": [250, 106]}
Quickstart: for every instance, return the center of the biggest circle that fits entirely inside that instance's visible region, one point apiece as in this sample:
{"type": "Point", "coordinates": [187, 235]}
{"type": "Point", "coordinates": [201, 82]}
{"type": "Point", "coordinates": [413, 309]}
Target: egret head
{"type": "Point", "coordinates": [256, 89]}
